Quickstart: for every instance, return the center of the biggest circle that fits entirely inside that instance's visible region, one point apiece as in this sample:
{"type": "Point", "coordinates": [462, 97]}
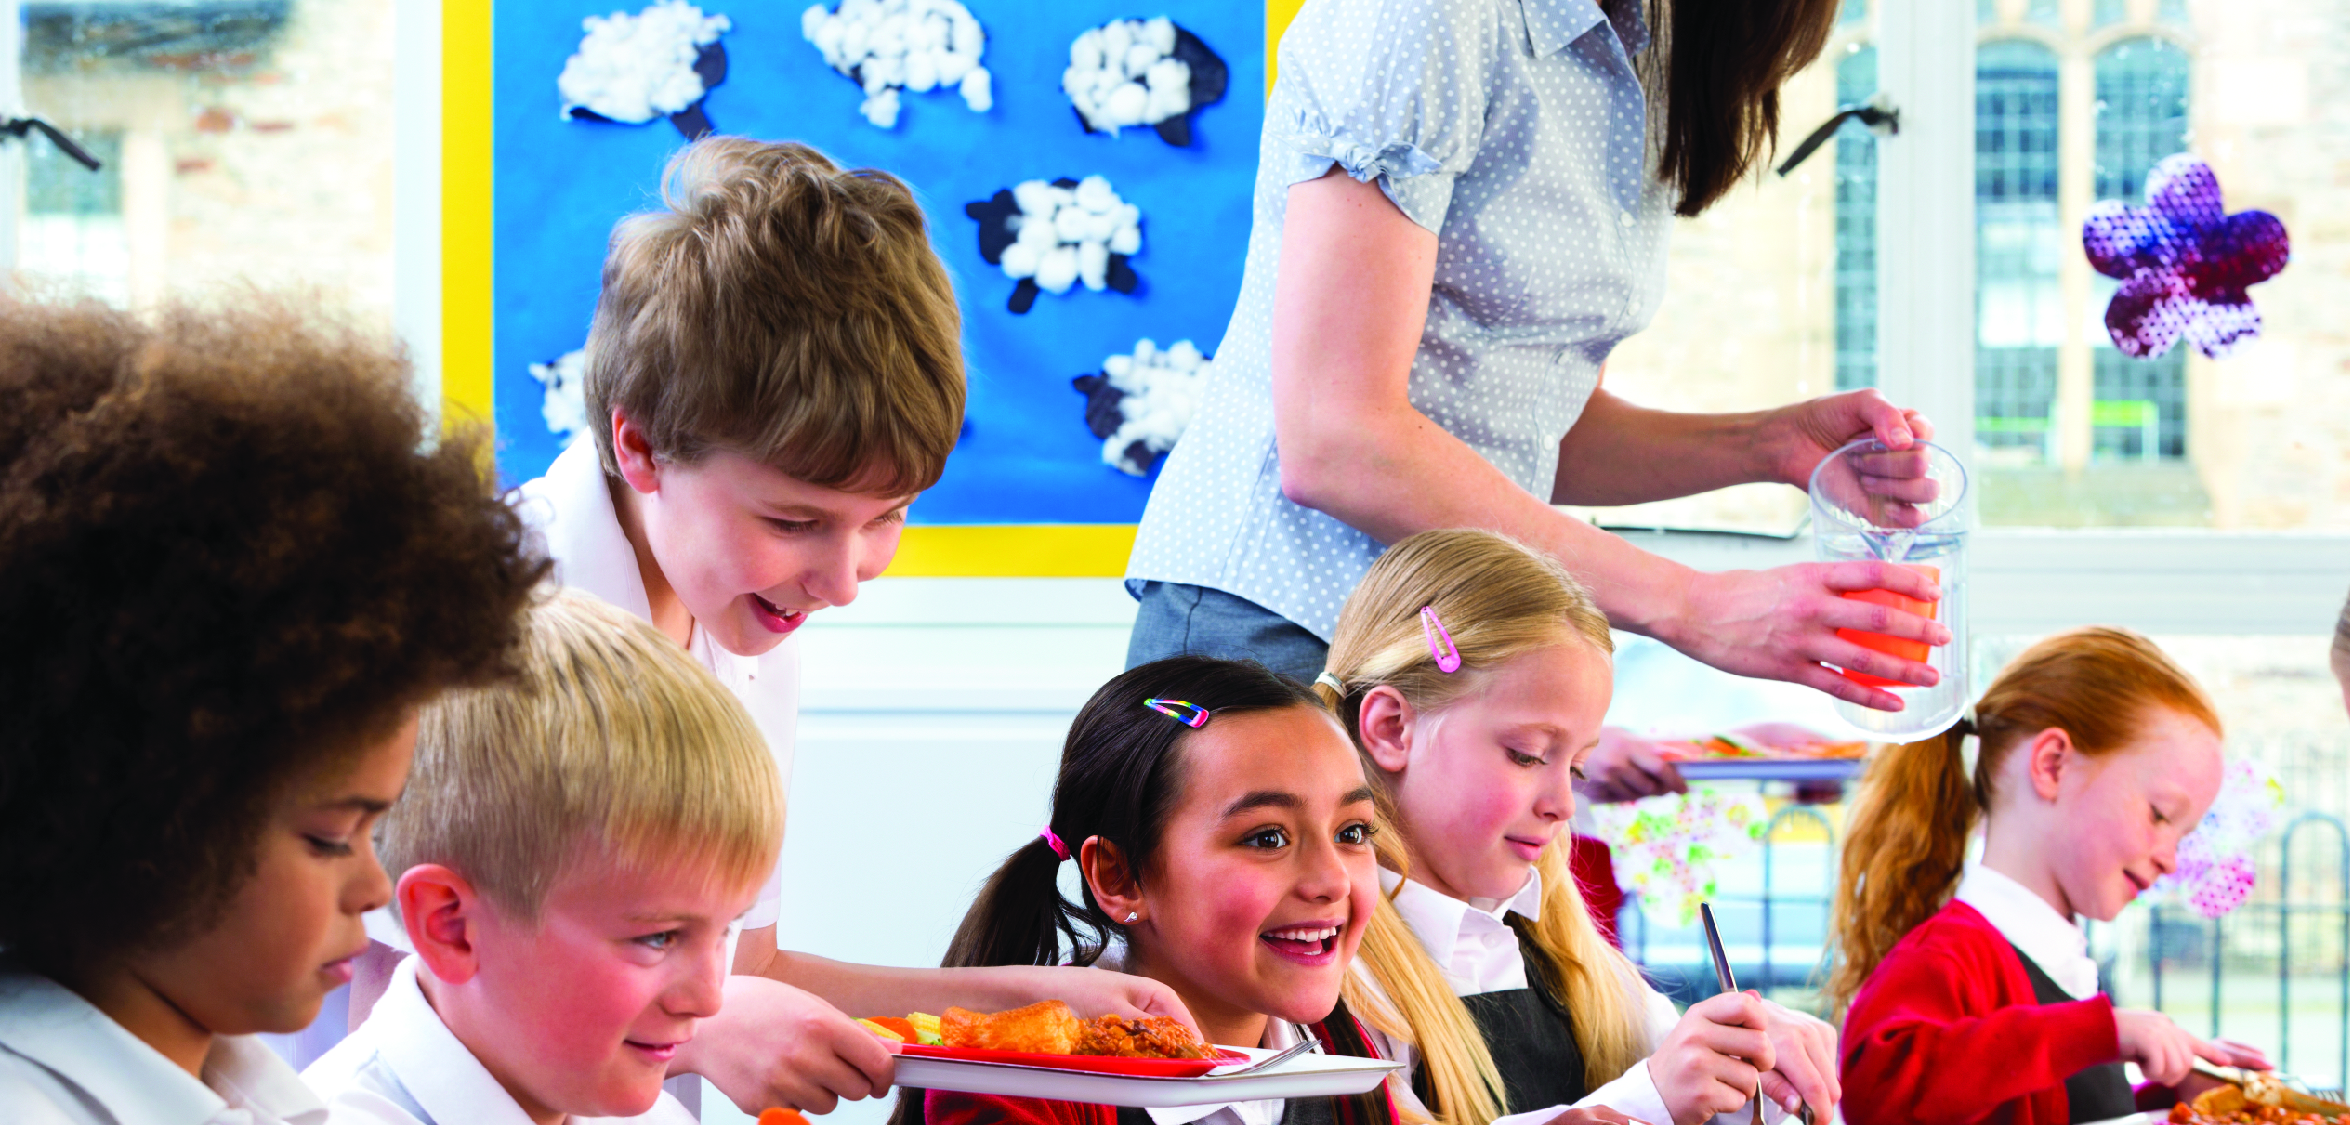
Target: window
{"type": "Point", "coordinates": [2140, 409]}
{"type": "Point", "coordinates": [240, 140]}
{"type": "Point", "coordinates": [2019, 310]}
{"type": "Point", "coordinates": [1856, 226]}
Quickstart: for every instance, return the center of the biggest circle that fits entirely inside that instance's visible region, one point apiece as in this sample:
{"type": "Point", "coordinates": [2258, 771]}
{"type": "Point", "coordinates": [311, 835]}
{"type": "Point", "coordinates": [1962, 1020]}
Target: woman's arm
{"type": "Point", "coordinates": [1349, 307]}
{"type": "Point", "coordinates": [1619, 453]}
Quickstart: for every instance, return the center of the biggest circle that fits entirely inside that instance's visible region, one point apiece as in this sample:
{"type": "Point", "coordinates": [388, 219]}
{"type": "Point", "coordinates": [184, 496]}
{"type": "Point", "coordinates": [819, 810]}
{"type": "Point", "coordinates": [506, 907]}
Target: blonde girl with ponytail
{"type": "Point", "coordinates": [1968, 989]}
{"type": "Point", "coordinates": [1472, 674]}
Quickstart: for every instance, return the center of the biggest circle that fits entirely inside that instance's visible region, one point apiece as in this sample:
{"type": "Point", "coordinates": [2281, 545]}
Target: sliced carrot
{"type": "Point", "coordinates": [902, 1026]}
{"type": "Point", "coordinates": [774, 1115]}
{"type": "Point", "coordinates": [1901, 648]}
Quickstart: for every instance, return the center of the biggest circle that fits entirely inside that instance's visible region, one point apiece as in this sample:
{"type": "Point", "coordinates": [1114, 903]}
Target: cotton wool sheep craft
{"type": "Point", "coordinates": [1130, 73]}
{"type": "Point", "coordinates": [886, 46]}
{"type": "Point", "coordinates": [1140, 403]}
{"type": "Point", "coordinates": [564, 407]}
{"type": "Point", "coordinates": [1056, 236]}
{"type": "Point", "coordinates": [660, 62]}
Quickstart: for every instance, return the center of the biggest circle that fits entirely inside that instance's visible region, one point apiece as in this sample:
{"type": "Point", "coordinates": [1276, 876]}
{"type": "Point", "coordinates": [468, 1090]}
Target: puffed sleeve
{"type": "Point", "coordinates": [1392, 91]}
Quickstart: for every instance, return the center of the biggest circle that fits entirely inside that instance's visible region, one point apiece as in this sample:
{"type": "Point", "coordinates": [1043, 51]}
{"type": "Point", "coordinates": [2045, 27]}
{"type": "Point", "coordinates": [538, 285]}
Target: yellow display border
{"type": "Point", "coordinates": [468, 270]}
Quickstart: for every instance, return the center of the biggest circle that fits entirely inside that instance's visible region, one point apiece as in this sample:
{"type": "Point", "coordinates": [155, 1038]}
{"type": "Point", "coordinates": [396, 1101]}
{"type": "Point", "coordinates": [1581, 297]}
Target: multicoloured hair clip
{"type": "Point", "coordinates": [1440, 646]}
{"type": "Point", "coordinates": [1189, 714]}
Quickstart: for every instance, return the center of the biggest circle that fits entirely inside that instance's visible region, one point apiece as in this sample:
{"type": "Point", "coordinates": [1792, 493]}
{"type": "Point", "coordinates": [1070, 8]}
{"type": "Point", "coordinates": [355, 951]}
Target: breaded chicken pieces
{"type": "Point", "coordinates": [1044, 1028]}
{"type": "Point", "coordinates": [1050, 1028]}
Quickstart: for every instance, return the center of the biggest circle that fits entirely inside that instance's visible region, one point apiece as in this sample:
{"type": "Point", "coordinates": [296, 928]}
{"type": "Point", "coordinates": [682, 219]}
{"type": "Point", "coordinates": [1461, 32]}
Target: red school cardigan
{"type": "Point", "coordinates": [1946, 1032]}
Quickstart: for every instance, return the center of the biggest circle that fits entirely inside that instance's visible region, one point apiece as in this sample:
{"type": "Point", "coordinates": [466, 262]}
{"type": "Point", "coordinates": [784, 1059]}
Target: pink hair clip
{"type": "Point", "coordinates": [1060, 849]}
{"type": "Point", "coordinates": [1189, 714]}
{"type": "Point", "coordinates": [1440, 646]}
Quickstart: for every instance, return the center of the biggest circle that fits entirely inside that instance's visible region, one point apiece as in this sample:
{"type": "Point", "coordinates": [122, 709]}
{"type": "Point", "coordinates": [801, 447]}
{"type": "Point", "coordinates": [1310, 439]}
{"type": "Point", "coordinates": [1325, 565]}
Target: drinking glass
{"type": "Point", "coordinates": [1906, 507]}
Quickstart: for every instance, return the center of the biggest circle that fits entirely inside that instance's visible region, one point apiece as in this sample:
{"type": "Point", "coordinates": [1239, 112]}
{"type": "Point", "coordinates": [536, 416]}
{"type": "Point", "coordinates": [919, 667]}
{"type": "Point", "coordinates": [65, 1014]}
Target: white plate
{"type": "Point", "coordinates": [1302, 1077]}
{"type": "Point", "coordinates": [2134, 1119]}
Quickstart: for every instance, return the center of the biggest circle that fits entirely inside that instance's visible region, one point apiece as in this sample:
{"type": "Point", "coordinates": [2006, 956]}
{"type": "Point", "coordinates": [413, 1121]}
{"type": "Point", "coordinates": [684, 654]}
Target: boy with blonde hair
{"type": "Point", "coordinates": [775, 372]}
{"type": "Point", "coordinates": [574, 851]}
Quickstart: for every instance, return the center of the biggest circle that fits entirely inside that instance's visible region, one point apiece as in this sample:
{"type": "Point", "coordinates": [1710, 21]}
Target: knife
{"type": "Point", "coordinates": [1729, 983]}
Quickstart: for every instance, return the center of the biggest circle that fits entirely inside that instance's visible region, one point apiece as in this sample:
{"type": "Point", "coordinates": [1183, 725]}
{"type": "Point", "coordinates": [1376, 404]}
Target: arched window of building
{"type": "Point", "coordinates": [2141, 404]}
{"type": "Point", "coordinates": [1856, 225]}
{"type": "Point", "coordinates": [2019, 305]}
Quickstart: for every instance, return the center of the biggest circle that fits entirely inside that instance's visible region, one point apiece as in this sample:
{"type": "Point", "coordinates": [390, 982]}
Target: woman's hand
{"type": "Point", "coordinates": [773, 1045]}
{"type": "Point", "coordinates": [1088, 992]}
{"type": "Point", "coordinates": [1781, 624]}
{"type": "Point", "coordinates": [1624, 767]}
{"type": "Point", "coordinates": [1709, 1063]}
{"type": "Point", "coordinates": [2162, 1049]}
{"type": "Point", "coordinates": [1806, 1070]}
{"type": "Point", "coordinates": [1793, 439]}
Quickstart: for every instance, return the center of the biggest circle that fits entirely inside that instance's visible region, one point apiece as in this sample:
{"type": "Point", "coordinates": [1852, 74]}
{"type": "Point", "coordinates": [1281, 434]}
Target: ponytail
{"type": "Point", "coordinates": [1021, 916]}
{"type": "Point", "coordinates": [1907, 840]}
{"type": "Point", "coordinates": [1903, 850]}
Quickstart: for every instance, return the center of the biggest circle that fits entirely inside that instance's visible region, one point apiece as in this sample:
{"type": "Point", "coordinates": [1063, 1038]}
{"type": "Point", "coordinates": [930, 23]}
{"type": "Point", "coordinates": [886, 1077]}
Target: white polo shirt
{"type": "Point", "coordinates": [404, 1067]}
{"type": "Point", "coordinates": [64, 1062]}
{"type": "Point", "coordinates": [569, 512]}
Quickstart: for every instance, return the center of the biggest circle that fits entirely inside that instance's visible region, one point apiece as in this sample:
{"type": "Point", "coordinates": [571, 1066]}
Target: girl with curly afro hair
{"type": "Point", "coordinates": [233, 561]}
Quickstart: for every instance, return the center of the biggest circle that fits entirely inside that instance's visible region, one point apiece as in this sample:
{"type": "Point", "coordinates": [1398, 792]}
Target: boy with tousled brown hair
{"type": "Point", "coordinates": [232, 570]}
{"type": "Point", "coordinates": [773, 374]}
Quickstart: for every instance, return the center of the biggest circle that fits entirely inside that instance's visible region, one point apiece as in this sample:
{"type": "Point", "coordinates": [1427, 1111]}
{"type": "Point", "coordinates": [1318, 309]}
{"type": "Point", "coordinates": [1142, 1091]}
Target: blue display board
{"type": "Point", "coordinates": [1026, 456]}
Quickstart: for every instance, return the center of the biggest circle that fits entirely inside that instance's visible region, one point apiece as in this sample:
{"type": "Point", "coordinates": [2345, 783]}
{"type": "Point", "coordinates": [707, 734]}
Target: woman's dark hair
{"type": "Point", "coordinates": [1121, 773]}
{"type": "Point", "coordinates": [1714, 68]}
{"type": "Point", "coordinates": [230, 554]}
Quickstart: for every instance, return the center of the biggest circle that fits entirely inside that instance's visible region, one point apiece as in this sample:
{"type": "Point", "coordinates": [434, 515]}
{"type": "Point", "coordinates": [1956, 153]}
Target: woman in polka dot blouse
{"type": "Point", "coordinates": [1461, 208]}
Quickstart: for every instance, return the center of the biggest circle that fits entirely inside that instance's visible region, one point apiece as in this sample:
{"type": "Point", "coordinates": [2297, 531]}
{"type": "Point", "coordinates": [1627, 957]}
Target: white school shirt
{"type": "Point", "coordinates": [64, 1062]}
{"type": "Point", "coordinates": [2050, 939]}
{"type": "Point", "coordinates": [570, 516]}
{"type": "Point", "coordinates": [404, 1067]}
{"type": "Point", "coordinates": [1478, 952]}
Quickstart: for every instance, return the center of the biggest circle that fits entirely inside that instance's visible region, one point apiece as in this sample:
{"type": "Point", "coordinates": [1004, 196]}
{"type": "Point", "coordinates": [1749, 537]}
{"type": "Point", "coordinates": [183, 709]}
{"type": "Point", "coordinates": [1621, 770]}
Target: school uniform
{"type": "Point", "coordinates": [405, 1067]}
{"type": "Point", "coordinates": [1528, 1030]}
{"type": "Point", "coordinates": [570, 516]}
{"type": "Point", "coordinates": [64, 1062]}
{"type": "Point", "coordinates": [1338, 1035]}
{"type": "Point", "coordinates": [1988, 1010]}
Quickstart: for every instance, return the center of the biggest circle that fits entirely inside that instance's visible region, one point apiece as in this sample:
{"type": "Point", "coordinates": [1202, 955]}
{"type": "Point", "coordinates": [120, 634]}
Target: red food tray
{"type": "Point", "coordinates": [1095, 1064]}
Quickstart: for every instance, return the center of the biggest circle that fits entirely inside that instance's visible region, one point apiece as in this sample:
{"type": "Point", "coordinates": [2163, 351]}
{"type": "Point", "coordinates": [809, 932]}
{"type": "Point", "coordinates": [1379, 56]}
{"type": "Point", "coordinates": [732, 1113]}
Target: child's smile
{"type": "Point", "coordinates": [1312, 943]}
{"type": "Point", "coordinates": [1263, 880]}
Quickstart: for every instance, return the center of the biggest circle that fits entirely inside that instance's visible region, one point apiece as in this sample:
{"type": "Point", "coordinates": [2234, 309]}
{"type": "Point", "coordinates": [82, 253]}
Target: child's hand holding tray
{"type": "Point", "coordinates": [1898, 647]}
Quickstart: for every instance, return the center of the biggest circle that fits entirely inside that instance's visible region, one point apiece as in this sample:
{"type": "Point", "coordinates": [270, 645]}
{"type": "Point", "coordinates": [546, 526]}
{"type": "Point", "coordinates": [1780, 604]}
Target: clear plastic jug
{"type": "Point", "coordinates": [1906, 507]}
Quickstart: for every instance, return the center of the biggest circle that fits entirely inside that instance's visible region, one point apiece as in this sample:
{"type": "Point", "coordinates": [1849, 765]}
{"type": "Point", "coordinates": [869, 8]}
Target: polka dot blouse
{"type": "Point", "coordinates": [1516, 131]}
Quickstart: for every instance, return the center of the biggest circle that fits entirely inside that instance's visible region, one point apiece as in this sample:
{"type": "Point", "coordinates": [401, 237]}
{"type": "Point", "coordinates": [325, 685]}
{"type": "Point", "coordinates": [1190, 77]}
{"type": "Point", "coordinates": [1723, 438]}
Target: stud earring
{"type": "Point", "coordinates": [1131, 915]}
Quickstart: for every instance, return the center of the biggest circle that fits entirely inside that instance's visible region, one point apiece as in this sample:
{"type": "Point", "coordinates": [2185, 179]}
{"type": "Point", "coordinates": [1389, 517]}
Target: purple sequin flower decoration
{"type": "Point", "coordinates": [2183, 261]}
